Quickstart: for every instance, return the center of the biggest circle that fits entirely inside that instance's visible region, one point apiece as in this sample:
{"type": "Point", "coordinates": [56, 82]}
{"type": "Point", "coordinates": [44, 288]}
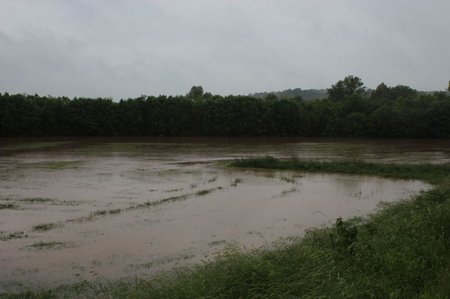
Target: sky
{"type": "Point", "coordinates": [124, 49]}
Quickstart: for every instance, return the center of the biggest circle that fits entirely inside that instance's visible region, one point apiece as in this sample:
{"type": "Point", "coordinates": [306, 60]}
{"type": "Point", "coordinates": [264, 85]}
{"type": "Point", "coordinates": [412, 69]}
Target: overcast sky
{"type": "Point", "coordinates": [124, 49]}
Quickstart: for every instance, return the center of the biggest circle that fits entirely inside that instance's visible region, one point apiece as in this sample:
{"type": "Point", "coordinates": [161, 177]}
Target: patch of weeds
{"type": "Point", "coordinates": [236, 182]}
{"type": "Point", "coordinates": [344, 236]}
{"type": "Point", "coordinates": [60, 165]}
{"type": "Point", "coordinates": [147, 204]}
{"type": "Point", "coordinates": [43, 200]}
{"type": "Point", "coordinates": [5, 236]}
{"type": "Point", "coordinates": [45, 227]}
{"type": "Point", "coordinates": [66, 202]}
{"type": "Point", "coordinates": [169, 199]}
{"type": "Point", "coordinates": [216, 243]}
{"type": "Point", "coordinates": [289, 180]}
{"type": "Point", "coordinates": [204, 192]}
{"type": "Point", "coordinates": [286, 192]}
{"type": "Point", "coordinates": [150, 204]}
{"type": "Point", "coordinates": [106, 212]}
{"type": "Point", "coordinates": [174, 190]}
{"type": "Point", "coordinates": [427, 172]}
{"type": "Point", "coordinates": [99, 213]}
{"type": "Point", "coordinates": [37, 200]}
{"type": "Point", "coordinates": [207, 191]}
{"type": "Point", "coordinates": [212, 180]}
{"type": "Point", "coordinates": [9, 206]}
{"type": "Point", "coordinates": [48, 245]}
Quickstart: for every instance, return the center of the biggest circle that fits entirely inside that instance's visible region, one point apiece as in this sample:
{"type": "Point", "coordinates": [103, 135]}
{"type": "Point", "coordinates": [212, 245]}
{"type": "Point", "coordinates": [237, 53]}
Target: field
{"type": "Point", "coordinates": [239, 230]}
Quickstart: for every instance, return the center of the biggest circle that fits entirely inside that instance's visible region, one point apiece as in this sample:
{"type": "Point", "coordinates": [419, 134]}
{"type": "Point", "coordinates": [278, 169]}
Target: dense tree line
{"type": "Point", "coordinates": [305, 94]}
{"type": "Point", "coordinates": [349, 111]}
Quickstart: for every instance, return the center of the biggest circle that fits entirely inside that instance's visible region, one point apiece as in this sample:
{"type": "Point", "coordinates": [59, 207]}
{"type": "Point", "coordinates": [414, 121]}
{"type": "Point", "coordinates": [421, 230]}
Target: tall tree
{"type": "Point", "coordinates": [344, 88]}
{"type": "Point", "coordinates": [382, 91]}
{"type": "Point", "coordinates": [402, 91]}
{"type": "Point", "coordinates": [195, 92]}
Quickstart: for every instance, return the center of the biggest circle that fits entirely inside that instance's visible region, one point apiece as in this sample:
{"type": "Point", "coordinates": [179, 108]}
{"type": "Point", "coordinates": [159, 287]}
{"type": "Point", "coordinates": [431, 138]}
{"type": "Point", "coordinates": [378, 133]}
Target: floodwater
{"type": "Point", "coordinates": [90, 209]}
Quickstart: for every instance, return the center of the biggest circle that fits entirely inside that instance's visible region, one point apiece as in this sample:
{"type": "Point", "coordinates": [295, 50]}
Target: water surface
{"type": "Point", "coordinates": [111, 208]}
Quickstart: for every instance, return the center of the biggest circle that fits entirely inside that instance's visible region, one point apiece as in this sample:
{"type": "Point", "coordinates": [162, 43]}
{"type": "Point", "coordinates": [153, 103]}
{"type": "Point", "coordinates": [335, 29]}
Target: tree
{"type": "Point", "coordinates": [195, 92]}
{"type": "Point", "coordinates": [448, 88]}
{"type": "Point", "coordinates": [382, 91]}
{"type": "Point", "coordinates": [271, 97]}
{"type": "Point", "coordinates": [343, 88]}
{"type": "Point", "coordinates": [402, 91]}
{"type": "Point", "coordinates": [393, 93]}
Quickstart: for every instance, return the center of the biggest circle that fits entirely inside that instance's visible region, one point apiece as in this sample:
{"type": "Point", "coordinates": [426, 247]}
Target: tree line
{"type": "Point", "coordinates": [348, 111]}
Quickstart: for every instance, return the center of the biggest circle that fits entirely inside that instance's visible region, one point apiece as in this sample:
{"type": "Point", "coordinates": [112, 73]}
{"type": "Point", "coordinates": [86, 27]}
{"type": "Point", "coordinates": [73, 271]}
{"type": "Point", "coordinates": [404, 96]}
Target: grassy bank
{"type": "Point", "coordinates": [430, 173]}
{"type": "Point", "coordinates": [403, 251]}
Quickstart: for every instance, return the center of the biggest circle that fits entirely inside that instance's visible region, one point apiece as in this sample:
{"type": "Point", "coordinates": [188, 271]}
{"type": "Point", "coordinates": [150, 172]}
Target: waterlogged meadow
{"type": "Point", "coordinates": [104, 209]}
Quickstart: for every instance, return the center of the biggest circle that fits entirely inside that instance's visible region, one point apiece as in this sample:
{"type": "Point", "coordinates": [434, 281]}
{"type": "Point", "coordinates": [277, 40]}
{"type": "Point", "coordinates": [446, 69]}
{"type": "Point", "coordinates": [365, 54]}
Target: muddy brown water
{"type": "Point", "coordinates": [90, 209]}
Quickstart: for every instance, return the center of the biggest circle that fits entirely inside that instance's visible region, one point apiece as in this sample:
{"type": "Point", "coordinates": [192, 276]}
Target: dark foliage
{"type": "Point", "coordinates": [350, 85]}
{"type": "Point", "coordinates": [389, 112]}
{"type": "Point", "coordinates": [296, 93]}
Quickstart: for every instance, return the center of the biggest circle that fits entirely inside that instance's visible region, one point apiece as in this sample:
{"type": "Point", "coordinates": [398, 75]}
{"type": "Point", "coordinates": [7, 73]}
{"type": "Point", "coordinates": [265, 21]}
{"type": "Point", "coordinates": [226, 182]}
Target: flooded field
{"type": "Point", "coordinates": [88, 209]}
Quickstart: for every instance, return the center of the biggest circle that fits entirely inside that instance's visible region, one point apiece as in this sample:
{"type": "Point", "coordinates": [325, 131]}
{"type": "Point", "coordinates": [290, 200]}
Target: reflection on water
{"type": "Point", "coordinates": [89, 209]}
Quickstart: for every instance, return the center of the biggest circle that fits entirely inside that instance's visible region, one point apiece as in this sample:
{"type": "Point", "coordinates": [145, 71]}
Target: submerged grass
{"type": "Point", "coordinates": [24, 203]}
{"type": "Point", "coordinates": [48, 245]}
{"type": "Point", "coordinates": [205, 191]}
{"type": "Point", "coordinates": [235, 182]}
{"type": "Point", "coordinates": [101, 213]}
{"type": "Point", "coordinates": [144, 205]}
{"type": "Point", "coordinates": [9, 206]}
{"type": "Point", "coordinates": [45, 227]}
{"type": "Point", "coordinates": [52, 165]}
{"type": "Point", "coordinates": [6, 236]}
{"type": "Point", "coordinates": [38, 200]}
{"type": "Point", "coordinates": [427, 172]}
{"type": "Point", "coordinates": [105, 212]}
{"type": "Point", "coordinates": [402, 251]}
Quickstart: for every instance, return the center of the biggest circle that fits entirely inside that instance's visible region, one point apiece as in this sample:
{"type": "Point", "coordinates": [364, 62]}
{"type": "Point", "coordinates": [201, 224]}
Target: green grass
{"type": "Point", "coordinates": [402, 251]}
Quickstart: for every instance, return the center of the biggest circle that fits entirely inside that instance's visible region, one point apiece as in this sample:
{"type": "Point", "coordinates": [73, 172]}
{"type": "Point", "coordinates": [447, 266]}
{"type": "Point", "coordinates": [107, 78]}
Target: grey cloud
{"type": "Point", "coordinates": [128, 48]}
